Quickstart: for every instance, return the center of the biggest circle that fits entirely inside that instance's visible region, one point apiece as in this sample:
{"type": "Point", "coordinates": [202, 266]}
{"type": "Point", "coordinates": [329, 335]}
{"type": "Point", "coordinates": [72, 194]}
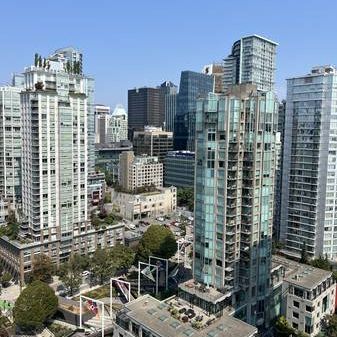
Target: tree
{"type": "Point", "coordinates": [40, 61]}
{"type": "Point", "coordinates": [5, 278]}
{"type": "Point", "coordinates": [322, 263]}
{"type": "Point", "coordinates": [304, 254]}
{"type": "Point", "coordinates": [101, 265]}
{"type": "Point", "coordinates": [185, 197]}
{"type": "Point", "coordinates": [158, 241]}
{"type": "Point", "coordinates": [329, 325]}
{"type": "Point", "coordinates": [35, 305]}
{"type": "Point", "coordinates": [122, 257]}
{"type": "Point", "coordinates": [70, 274]}
{"type": "Point", "coordinates": [42, 269]}
{"type": "Point", "coordinates": [282, 327]}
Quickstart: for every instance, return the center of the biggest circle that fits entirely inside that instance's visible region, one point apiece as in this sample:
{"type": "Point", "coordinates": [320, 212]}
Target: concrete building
{"type": "Point", "coordinates": [234, 197]}
{"type": "Point", "coordinates": [148, 317]}
{"type": "Point", "coordinates": [111, 127]}
{"type": "Point", "coordinates": [251, 61]}
{"type": "Point", "coordinates": [309, 211]}
{"type": "Point", "coordinates": [153, 142]}
{"type": "Point", "coordinates": [130, 206]}
{"type": "Point", "coordinates": [10, 144]}
{"type": "Point", "coordinates": [192, 86]}
{"type": "Point", "coordinates": [144, 109]}
{"type": "Point", "coordinates": [217, 71]}
{"type": "Point", "coordinates": [179, 169]}
{"type": "Point", "coordinates": [57, 141]}
{"type": "Point", "coordinates": [101, 113]}
{"type": "Point", "coordinates": [107, 156]}
{"type": "Point", "coordinates": [308, 294]}
{"type": "Point", "coordinates": [168, 104]}
{"type": "Point", "coordinates": [139, 171]}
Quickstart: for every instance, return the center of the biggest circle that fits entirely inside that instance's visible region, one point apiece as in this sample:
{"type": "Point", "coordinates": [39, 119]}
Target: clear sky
{"type": "Point", "coordinates": [132, 43]}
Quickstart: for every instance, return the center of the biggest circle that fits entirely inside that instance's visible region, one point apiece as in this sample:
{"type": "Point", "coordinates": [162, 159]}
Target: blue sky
{"type": "Point", "coordinates": [142, 43]}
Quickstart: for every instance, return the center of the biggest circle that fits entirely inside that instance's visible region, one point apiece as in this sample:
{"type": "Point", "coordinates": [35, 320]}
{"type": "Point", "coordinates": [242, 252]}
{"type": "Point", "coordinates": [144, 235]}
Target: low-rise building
{"type": "Point", "coordinates": [96, 187]}
{"type": "Point", "coordinates": [148, 317]}
{"type": "Point", "coordinates": [16, 256]}
{"type": "Point", "coordinates": [308, 294]}
{"type": "Point", "coordinates": [139, 171]}
{"type": "Point", "coordinates": [153, 141]}
{"type": "Point", "coordinates": [150, 204]}
{"type": "Point", "coordinates": [179, 169]}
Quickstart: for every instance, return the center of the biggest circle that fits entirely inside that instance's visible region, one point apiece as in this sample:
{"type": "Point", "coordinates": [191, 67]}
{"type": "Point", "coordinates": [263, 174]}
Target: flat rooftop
{"type": "Point", "coordinates": [302, 275]}
{"type": "Point", "coordinates": [155, 316]}
{"type": "Point", "coordinates": [208, 294]}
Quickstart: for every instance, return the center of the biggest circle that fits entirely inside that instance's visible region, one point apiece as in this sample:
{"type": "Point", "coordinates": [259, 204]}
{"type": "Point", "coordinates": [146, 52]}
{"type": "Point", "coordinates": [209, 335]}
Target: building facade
{"type": "Point", "coordinates": [153, 142]}
{"type": "Point", "coordinates": [10, 144]}
{"type": "Point", "coordinates": [193, 85]}
{"type": "Point", "coordinates": [151, 204]}
{"type": "Point", "coordinates": [309, 213]}
{"type": "Point", "coordinates": [111, 127]}
{"type": "Point", "coordinates": [168, 104]}
{"type": "Point", "coordinates": [307, 294]}
{"type": "Point", "coordinates": [234, 195]}
{"type": "Point", "coordinates": [140, 171]}
{"type": "Point", "coordinates": [101, 113]}
{"type": "Point", "coordinates": [251, 61]}
{"type": "Point", "coordinates": [144, 109]}
{"type": "Point", "coordinates": [179, 169]}
{"type": "Point", "coordinates": [217, 71]}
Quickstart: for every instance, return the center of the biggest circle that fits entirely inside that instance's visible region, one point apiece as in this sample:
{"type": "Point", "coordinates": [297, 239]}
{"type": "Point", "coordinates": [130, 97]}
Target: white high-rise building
{"type": "Point", "coordinates": [55, 169]}
{"type": "Point", "coordinates": [10, 144]}
{"type": "Point", "coordinates": [309, 183]}
{"type": "Point", "coordinates": [111, 127]}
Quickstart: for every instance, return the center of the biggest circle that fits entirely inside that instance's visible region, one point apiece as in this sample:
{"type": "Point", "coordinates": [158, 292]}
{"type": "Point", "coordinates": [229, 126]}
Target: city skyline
{"type": "Point", "coordinates": [124, 40]}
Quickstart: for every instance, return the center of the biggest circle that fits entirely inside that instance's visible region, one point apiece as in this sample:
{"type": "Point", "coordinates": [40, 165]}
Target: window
{"type": "Point", "coordinates": [295, 314]}
{"type": "Point", "coordinates": [295, 325]}
{"type": "Point", "coordinates": [309, 308]}
{"type": "Point", "coordinates": [296, 304]}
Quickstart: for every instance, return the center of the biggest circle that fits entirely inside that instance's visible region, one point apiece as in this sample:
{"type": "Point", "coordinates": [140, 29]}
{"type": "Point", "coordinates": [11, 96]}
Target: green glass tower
{"type": "Point", "coordinates": [234, 188]}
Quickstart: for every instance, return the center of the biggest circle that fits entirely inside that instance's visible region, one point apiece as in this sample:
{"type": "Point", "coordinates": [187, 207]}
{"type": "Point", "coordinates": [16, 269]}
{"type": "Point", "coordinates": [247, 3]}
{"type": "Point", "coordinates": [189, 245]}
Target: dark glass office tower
{"type": "Point", "coordinates": [143, 108]}
{"type": "Point", "coordinates": [193, 85]}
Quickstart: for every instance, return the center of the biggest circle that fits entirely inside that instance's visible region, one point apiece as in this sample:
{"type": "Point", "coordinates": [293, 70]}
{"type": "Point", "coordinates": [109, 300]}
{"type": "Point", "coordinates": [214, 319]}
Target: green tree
{"type": "Point", "coordinates": [102, 266]}
{"type": "Point", "coordinates": [304, 254]}
{"type": "Point", "coordinates": [42, 268]}
{"type": "Point", "coordinates": [122, 257]}
{"type": "Point", "coordinates": [70, 274]}
{"type": "Point", "coordinates": [35, 305]}
{"type": "Point", "coordinates": [185, 197]}
{"type": "Point", "coordinates": [158, 241]}
{"type": "Point", "coordinates": [40, 61]}
{"type": "Point", "coordinates": [322, 263]}
{"type": "Point", "coordinates": [5, 278]}
{"type": "Point", "coordinates": [329, 325]}
{"type": "Point", "coordinates": [282, 328]}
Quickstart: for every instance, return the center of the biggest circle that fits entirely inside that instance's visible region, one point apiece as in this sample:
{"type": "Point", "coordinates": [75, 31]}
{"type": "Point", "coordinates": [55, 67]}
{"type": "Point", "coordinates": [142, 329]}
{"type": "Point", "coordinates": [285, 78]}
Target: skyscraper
{"type": "Point", "coordinates": [143, 109]}
{"type": "Point", "coordinates": [217, 70]}
{"type": "Point", "coordinates": [168, 104]}
{"type": "Point", "coordinates": [309, 212]}
{"type": "Point", "coordinates": [252, 60]}
{"type": "Point", "coordinates": [10, 144]}
{"type": "Point", "coordinates": [234, 186]}
{"type": "Point", "coordinates": [193, 85]}
{"type": "Point", "coordinates": [55, 156]}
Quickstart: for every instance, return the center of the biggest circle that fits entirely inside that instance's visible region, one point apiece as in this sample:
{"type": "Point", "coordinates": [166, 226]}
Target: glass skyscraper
{"type": "Point", "coordinates": [234, 188]}
{"type": "Point", "coordinates": [193, 85]}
